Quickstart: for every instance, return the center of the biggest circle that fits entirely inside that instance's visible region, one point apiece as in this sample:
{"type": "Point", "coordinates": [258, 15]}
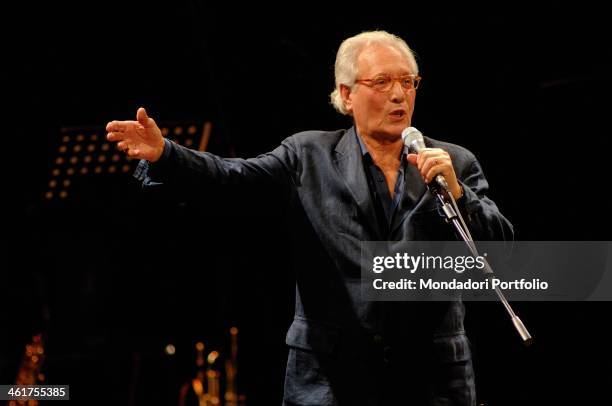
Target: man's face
{"type": "Point", "coordinates": [380, 114]}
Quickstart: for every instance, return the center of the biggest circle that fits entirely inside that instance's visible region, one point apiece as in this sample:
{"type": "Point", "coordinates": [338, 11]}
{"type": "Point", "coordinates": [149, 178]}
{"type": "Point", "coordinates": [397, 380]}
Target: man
{"type": "Point", "coordinates": [351, 186]}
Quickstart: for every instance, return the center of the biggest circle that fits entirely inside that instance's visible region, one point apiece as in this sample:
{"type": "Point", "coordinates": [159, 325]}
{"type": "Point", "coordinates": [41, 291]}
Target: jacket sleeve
{"type": "Point", "coordinates": [183, 168]}
{"type": "Point", "coordinates": [481, 214]}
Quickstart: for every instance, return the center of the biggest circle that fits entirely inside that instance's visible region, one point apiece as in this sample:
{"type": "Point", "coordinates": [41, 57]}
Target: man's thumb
{"type": "Point", "coordinates": [412, 159]}
{"type": "Point", "coordinates": [141, 116]}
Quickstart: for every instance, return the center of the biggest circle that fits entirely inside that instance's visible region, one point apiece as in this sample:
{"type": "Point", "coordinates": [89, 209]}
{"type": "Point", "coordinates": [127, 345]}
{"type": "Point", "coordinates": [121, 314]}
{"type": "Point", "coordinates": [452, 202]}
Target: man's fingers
{"type": "Point", "coordinates": [422, 158]}
{"type": "Point", "coordinates": [116, 126]}
{"type": "Point", "coordinates": [129, 149]}
{"type": "Point", "coordinates": [435, 170]}
{"type": "Point", "coordinates": [115, 136]}
{"type": "Point", "coordinates": [133, 153]}
{"type": "Point", "coordinates": [430, 153]}
{"type": "Point", "coordinates": [144, 119]}
{"type": "Point", "coordinates": [141, 116]}
{"type": "Point", "coordinates": [427, 164]}
{"type": "Point", "coordinates": [434, 166]}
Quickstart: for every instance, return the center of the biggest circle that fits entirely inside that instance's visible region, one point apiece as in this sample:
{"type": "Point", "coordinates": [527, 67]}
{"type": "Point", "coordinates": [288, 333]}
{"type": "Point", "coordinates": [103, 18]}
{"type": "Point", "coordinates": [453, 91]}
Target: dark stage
{"type": "Point", "coordinates": [112, 276]}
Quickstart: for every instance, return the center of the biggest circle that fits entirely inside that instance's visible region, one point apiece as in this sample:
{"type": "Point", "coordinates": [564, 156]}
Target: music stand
{"type": "Point", "coordinates": [83, 152]}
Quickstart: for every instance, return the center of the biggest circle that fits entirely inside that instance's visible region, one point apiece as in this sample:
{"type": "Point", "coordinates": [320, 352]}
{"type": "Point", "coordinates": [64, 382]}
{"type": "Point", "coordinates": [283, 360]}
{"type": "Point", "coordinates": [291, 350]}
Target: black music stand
{"type": "Point", "coordinates": [84, 152]}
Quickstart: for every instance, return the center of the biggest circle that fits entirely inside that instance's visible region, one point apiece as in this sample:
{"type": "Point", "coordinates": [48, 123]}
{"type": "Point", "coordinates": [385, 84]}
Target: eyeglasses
{"type": "Point", "coordinates": [384, 83]}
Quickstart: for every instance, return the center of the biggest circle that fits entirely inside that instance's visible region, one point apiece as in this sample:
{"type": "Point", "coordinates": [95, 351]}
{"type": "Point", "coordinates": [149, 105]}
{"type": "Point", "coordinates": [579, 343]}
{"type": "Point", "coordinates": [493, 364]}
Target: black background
{"type": "Point", "coordinates": [112, 277]}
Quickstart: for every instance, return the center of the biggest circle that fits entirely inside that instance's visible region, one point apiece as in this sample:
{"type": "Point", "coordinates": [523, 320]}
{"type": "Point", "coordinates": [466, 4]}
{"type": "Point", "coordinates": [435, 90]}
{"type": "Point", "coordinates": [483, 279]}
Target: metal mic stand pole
{"type": "Point", "coordinates": [452, 216]}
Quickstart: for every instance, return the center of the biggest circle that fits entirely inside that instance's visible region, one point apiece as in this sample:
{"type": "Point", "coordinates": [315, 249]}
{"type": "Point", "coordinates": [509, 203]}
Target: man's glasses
{"type": "Point", "coordinates": [384, 83]}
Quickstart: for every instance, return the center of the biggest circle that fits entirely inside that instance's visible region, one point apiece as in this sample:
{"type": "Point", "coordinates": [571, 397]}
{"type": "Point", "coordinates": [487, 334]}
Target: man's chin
{"type": "Point", "coordinates": [396, 128]}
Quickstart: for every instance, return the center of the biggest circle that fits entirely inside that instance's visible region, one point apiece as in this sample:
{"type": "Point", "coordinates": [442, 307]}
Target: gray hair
{"type": "Point", "coordinates": [345, 69]}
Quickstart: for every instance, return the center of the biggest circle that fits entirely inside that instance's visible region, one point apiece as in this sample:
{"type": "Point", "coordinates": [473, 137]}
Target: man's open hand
{"type": "Point", "coordinates": [140, 139]}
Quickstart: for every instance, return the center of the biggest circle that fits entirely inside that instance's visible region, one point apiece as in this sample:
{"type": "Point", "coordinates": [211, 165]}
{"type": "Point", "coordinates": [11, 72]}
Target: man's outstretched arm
{"type": "Point", "coordinates": [164, 161]}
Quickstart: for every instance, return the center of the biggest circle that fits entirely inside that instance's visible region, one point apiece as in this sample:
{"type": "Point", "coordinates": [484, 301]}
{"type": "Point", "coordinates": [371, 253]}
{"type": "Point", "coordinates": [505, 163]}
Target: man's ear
{"type": "Point", "coordinates": [345, 93]}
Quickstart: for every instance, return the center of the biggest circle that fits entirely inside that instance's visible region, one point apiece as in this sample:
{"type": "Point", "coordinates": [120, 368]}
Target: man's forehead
{"type": "Point", "coordinates": [381, 56]}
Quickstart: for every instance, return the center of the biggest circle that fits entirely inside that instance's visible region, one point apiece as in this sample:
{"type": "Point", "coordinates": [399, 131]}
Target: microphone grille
{"type": "Point", "coordinates": [413, 138]}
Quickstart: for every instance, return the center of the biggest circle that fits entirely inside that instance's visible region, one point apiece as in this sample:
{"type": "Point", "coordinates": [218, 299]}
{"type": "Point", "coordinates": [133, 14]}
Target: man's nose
{"type": "Point", "coordinates": [396, 92]}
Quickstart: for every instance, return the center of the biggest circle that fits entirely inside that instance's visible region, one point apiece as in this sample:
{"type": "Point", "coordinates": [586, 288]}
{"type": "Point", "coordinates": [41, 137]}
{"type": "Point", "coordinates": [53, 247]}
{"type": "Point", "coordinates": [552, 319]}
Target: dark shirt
{"type": "Point", "coordinates": [385, 205]}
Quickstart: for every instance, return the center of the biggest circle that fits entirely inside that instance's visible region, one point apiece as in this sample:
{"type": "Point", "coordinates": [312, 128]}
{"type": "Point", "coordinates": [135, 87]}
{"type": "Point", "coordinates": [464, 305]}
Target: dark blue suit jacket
{"type": "Point", "coordinates": [336, 339]}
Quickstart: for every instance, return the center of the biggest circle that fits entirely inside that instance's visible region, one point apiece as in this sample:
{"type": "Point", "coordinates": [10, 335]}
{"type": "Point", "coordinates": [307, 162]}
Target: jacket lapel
{"type": "Point", "coordinates": [349, 164]}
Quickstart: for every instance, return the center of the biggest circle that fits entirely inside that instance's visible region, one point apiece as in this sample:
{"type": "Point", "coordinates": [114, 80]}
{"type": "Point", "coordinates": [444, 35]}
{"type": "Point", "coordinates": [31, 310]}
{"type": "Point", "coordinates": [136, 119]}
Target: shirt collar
{"type": "Point", "coordinates": [366, 153]}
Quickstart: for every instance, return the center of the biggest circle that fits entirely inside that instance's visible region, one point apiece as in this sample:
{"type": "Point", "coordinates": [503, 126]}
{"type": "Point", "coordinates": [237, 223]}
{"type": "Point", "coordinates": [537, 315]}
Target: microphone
{"type": "Point", "coordinates": [413, 139]}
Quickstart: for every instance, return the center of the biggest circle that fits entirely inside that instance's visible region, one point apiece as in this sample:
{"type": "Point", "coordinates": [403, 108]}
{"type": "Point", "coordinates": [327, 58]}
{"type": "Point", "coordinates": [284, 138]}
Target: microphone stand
{"type": "Point", "coordinates": [453, 215]}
